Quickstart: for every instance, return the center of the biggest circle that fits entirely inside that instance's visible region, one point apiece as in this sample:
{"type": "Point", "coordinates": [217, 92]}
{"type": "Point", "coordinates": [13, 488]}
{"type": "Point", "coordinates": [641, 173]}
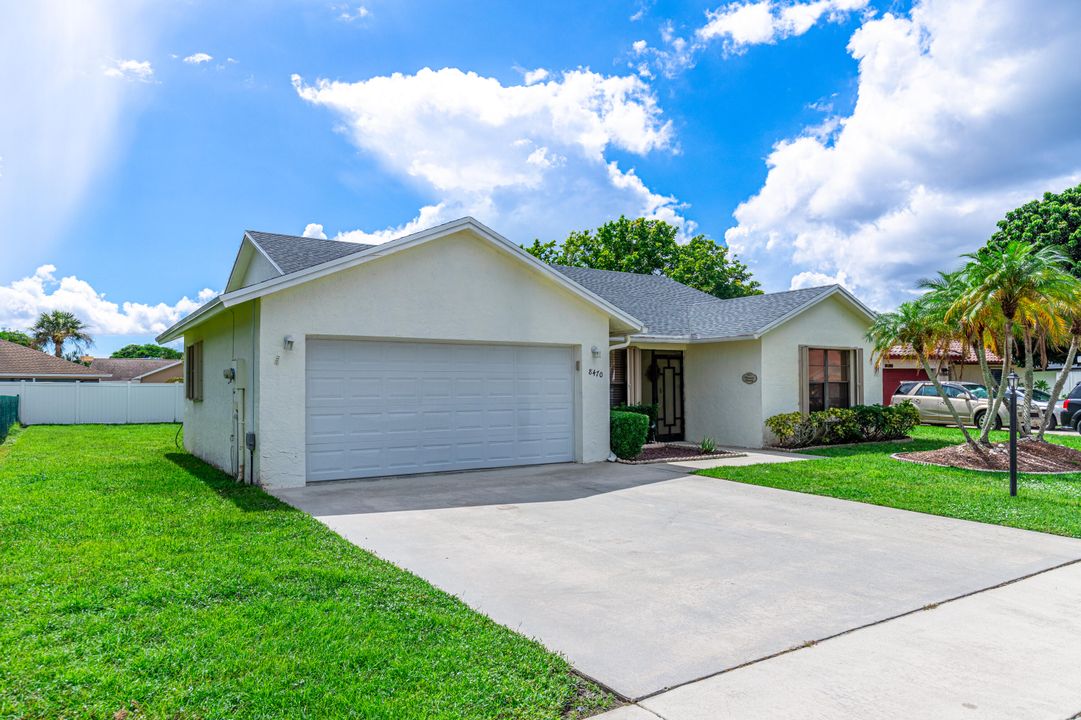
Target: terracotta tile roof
{"type": "Point", "coordinates": [953, 353]}
{"type": "Point", "coordinates": [17, 361]}
{"type": "Point", "coordinates": [123, 369]}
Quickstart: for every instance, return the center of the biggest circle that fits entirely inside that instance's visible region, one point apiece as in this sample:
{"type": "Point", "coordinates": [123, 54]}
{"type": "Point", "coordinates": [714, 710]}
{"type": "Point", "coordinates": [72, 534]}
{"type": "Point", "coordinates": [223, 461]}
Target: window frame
{"type": "Point", "coordinates": [193, 372]}
{"type": "Point", "coordinates": [854, 381]}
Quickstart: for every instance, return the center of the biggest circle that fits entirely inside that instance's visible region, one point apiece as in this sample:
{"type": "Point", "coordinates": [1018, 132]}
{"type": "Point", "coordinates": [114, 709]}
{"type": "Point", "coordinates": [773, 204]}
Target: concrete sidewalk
{"type": "Point", "coordinates": [1013, 653]}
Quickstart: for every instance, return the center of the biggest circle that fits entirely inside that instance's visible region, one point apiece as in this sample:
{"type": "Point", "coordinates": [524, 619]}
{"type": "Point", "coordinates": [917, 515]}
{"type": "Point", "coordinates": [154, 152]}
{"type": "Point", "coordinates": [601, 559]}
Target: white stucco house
{"type": "Point", "coordinates": [452, 348]}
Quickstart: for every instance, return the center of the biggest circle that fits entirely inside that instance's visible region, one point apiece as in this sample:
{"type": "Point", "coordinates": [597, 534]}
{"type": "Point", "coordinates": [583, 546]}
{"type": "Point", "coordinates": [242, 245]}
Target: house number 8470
{"type": "Point", "coordinates": [596, 373]}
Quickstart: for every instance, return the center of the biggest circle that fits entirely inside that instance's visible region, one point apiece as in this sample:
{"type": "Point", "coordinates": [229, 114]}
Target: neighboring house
{"type": "Point", "coordinates": [18, 362]}
{"type": "Point", "coordinates": [960, 363]}
{"type": "Point", "coordinates": [141, 370]}
{"type": "Point", "coordinates": [453, 348]}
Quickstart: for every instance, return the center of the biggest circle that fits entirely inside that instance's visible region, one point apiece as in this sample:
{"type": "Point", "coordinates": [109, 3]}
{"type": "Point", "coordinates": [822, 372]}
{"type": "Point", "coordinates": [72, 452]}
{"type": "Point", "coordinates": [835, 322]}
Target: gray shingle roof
{"type": "Point", "coordinates": [128, 368]}
{"type": "Point", "coordinates": [671, 308]}
{"type": "Point", "coordinates": [293, 252]}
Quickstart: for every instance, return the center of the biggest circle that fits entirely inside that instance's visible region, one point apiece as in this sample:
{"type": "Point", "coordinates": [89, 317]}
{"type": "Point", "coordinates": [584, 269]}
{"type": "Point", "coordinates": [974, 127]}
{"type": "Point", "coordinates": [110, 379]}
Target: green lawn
{"type": "Point", "coordinates": [134, 578]}
{"type": "Point", "coordinates": [1049, 503]}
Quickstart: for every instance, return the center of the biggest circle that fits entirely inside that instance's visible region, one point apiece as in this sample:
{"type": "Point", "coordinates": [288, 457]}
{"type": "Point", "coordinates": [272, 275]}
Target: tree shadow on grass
{"type": "Point", "coordinates": [248, 498]}
{"type": "Point", "coordinates": [882, 448]}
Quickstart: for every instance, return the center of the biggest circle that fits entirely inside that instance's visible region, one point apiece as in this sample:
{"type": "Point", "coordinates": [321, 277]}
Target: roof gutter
{"type": "Point", "coordinates": [206, 311]}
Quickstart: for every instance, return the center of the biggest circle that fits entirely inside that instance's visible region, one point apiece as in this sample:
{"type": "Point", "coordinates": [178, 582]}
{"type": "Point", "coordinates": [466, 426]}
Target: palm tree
{"type": "Point", "coordinates": [914, 324]}
{"type": "Point", "coordinates": [1015, 282]}
{"type": "Point", "coordinates": [59, 327]}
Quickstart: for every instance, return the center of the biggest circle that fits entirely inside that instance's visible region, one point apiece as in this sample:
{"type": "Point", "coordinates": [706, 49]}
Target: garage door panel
{"type": "Point", "coordinates": [385, 408]}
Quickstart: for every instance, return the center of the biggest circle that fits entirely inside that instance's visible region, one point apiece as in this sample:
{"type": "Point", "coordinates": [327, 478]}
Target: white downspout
{"type": "Point", "coordinates": [621, 342]}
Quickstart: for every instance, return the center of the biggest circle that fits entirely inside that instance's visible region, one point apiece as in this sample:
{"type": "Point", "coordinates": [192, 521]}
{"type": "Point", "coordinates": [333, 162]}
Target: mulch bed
{"type": "Point", "coordinates": [1032, 457]}
{"type": "Point", "coordinates": [669, 452]}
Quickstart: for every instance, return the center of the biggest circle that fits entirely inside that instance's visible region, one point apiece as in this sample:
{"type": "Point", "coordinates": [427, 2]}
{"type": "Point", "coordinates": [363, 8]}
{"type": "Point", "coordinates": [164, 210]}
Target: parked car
{"type": "Point", "coordinates": [970, 400]}
{"type": "Point", "coordinates": [1040, 399]}
{"type": "Point", "coordinates": [1070, 412]}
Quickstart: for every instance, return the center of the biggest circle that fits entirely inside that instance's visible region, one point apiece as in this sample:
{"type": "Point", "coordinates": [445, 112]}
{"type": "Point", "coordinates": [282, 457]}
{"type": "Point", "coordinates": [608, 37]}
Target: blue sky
{"type": "Point", "coordinates": [867, 143]}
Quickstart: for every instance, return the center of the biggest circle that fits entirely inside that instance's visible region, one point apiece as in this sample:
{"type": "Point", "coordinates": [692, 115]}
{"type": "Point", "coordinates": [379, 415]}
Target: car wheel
{"type": "Point", "coordinates": [979, 419]}
{"type": "Point", "coordinates": [1053, 424]}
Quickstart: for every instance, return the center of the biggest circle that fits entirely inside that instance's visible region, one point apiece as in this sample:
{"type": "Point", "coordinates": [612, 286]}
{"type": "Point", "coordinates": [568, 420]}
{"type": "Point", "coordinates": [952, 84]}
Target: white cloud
{"type": "Point", "coordinates": [140, 70]}
{"type": "Point", "coordinates": [199, 57]}
{"type": "Point", "coordinates": [314, 230]}
{"type": "Point", "coordinates": [534, 76]}
{"type": "Point", "coordinates": [965, 110]}
{"type": "Point", "coordinates": [529, 160]}
{"type": "Point", "coordinates": [739, 24]}
{"type": "Point", "coordinates": [350, 14]}
{"type": "Point", "coordinates": [22, 301]}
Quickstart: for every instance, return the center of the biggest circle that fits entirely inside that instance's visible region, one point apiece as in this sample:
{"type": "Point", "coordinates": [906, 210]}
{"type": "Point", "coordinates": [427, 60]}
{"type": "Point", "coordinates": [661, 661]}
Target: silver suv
{"type": "Point", "coordinates": [970, 400]}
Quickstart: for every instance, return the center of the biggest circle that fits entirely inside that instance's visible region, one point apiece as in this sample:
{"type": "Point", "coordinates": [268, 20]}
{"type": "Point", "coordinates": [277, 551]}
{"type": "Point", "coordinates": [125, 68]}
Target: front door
{"type": "Point", "coordinates": [667, 371]}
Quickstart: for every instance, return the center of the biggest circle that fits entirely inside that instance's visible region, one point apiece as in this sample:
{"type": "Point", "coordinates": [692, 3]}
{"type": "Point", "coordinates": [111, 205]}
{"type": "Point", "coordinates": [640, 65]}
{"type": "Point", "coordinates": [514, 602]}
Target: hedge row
{"type": "Point", "coordinates": [861, 423]}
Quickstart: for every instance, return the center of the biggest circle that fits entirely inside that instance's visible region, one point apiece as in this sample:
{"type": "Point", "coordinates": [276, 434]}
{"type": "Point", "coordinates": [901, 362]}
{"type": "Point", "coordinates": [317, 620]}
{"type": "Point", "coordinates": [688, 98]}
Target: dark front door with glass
{"type": "Point", "coordinates": [666, 374]}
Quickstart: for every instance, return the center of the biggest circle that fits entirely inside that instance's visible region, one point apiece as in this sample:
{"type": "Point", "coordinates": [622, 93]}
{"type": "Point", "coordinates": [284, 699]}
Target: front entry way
{"type": "Point", "coordinates": [666, 375]}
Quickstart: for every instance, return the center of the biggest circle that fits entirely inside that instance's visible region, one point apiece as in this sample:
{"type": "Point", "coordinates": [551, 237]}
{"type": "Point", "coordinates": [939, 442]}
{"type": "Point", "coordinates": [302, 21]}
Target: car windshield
{"type": "Point", "coordinates": [1040, 395]}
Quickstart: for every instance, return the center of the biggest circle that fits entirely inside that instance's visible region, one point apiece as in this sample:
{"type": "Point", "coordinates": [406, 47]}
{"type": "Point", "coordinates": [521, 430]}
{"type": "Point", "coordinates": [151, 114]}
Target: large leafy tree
{"type": "Point", "coordinates": [19, 338]}
{"type": "Point", "coordinates": [1053, 221]}
{"type": "Point", "coordinates": [150, 350]}
{"type": "Point", "coordinates": [651, 247]}
{"type": "Point", "coordinates": [59, 327]}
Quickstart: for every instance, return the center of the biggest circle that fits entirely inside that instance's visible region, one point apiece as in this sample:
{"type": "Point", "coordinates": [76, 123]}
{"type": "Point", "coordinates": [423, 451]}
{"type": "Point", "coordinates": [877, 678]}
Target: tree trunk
{"type": "Point", "coordinates": [58, 346]}
{"type": "Point", "coordinates": [1000, 391]}
{"type": "Point", "coordinates": [1028, 376]}
{"type": "Point", "coordinates": [1060, 382]}
{"type": "Point", "coordinates": [938, 386]}
{"type": "Point", "coordinates": [988, 378]}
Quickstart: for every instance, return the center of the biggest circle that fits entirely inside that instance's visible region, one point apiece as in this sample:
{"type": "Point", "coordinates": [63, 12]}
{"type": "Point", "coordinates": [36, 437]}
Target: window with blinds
{"type": "Point", "coordinates": [617, 377]}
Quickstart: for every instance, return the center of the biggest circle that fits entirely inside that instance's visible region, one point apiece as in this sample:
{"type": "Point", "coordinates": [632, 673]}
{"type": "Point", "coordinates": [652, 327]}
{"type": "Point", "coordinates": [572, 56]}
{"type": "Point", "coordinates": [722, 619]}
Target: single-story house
{"type": "Point", "coordinates": [960, 363]}
{"type": "Point", "coordinates": [18, 362]}
{"type": "Point", "coordinates": [140, 370]}
{"type": "Point", "coordinates": [452, 348]}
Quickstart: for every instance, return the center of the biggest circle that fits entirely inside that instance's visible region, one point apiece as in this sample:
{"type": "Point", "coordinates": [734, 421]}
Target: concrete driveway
{"type": "Point", "coordinates": [649, 579]}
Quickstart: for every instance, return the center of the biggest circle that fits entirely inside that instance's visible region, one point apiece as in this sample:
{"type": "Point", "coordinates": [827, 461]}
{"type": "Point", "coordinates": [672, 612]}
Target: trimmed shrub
{"type": "Point", "coordinates": [629, 431]}
{"type": "Point", "coordinates": [861, 423]}
{"type": "Point", "coordinates": [650, 410]}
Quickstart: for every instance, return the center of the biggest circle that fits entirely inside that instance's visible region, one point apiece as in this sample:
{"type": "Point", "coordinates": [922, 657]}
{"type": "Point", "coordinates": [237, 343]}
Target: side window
{"type": "Point", "coordinates": [954, 392]}
{"type": "Point", "coordinates": [928, 391]}
{"type": "Point", "coordinates": [193, 371]}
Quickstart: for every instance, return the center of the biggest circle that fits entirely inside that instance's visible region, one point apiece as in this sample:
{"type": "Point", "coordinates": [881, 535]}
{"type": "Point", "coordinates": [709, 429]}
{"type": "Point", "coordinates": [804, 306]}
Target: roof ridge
{"type": "Point", "coordinates": [305, 237]}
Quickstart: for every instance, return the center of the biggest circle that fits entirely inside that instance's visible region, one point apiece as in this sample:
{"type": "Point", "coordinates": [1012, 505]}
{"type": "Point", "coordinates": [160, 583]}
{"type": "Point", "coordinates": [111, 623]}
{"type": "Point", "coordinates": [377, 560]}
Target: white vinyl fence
{"type": "Point", "coordinates": [75, 403]}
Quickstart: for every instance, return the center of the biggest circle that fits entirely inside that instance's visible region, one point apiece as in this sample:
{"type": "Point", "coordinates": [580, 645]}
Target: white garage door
{"type": "Point", "coordinates": [391, 408]}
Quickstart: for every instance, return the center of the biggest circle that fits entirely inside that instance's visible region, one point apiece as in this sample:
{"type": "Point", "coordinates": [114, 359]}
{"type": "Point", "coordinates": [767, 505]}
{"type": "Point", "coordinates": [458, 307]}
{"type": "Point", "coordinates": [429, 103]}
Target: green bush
{"type": "Point", "coordinates": [650, 410]}
{"type": "Point", "coordinates": [862, 423]}
{"type": "Point", "coordinates": [629, 431]}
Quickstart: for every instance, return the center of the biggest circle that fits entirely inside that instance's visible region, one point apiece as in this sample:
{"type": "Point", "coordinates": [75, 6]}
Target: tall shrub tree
{"type": "Point", "coordinates": [150, 350]}
{"type": "Point", "coordinates": [651, 247]}
{"type": "Point", "coordinates": [1052, 221]}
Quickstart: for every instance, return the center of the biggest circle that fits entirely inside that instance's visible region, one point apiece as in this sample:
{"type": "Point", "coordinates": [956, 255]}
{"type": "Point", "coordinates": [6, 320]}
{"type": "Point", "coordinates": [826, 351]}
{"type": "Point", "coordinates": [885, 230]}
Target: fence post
{"type": "Point", "coordinates": [127, 404]}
